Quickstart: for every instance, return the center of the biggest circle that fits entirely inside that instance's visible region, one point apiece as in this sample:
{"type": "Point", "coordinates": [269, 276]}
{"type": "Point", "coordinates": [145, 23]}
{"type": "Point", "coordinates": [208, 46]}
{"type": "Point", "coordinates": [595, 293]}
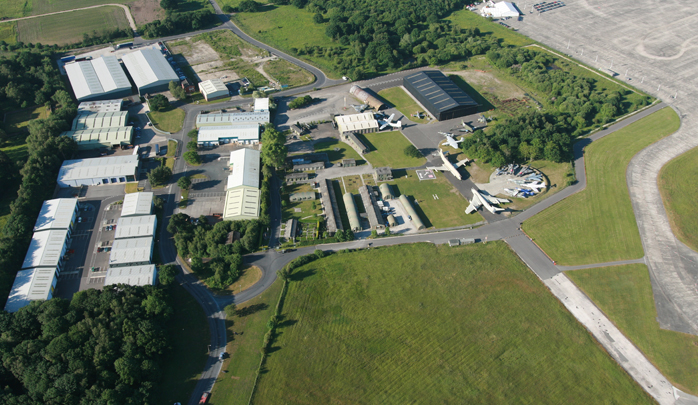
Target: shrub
{"type": "Point", "coordinates": [192, 158]}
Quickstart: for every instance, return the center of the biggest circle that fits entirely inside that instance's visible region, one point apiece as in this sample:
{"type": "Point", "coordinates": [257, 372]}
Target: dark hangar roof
{"type": "Point", "coordinates": [439, 90]}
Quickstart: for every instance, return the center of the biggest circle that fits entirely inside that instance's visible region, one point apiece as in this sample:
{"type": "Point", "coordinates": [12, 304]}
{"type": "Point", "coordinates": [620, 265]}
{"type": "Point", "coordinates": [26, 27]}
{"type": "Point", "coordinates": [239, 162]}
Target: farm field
{"type": "Point", "coordinates": [61, 29]}
{"type": "Point", "coordinates": [624, 294]}
{"type": "Point", "coordinates": [446, 211]}
{"type": "Point", "coordinates": [481, 330]}
{"type": "Point", "coordinates": [597, 224]}
{"type": "Point", "coordinates": [678, 189]}
{"type": "Point", "coordinates": [386, 149]}
{"type": "Point", "coordinates": [399, 98]}
{"type": "Point", "coordinates": [345, 151]}
{"type": "Point", "coordinates": [23, 8]}
{"type": "Point", "coordinates": [168, 121]}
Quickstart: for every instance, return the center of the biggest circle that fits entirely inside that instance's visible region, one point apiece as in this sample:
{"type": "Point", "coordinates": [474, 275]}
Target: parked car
{"type": "Point", "coordinates": [204, 398]}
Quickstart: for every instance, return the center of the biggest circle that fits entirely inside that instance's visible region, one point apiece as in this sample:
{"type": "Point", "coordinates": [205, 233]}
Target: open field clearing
{"type": "Point", "coordinates": [23, 8]}
{"type": "Point", "coordinates": [386, 149]}
{"type": "Point", "coordinates": [445, 211]}
{"type": "Point", "coordinates": [343, 151]}
{"type": "Point", "coordinates": [168, 121]}
{"type": "Point", "coordinates": [426, 324]}
{"type": "Point", "coordinates": [234, 385]}
{"type": "Point", "coordinates": [624, 294]}
{"type": "Point", "coordinates": [677, 183]}
{"type": "Point", "coordinates": [597, 224]}
{"type": "Point", "coordinates": [8, 33]}
{"type": "Point", "coordinates": [287, 73]}
{"type": "Point", "coordinates": [468, 19]}
{"type": "Point", "coordinates": [399, 98]}
{"type": "Point", "coordinates": [61, 29]}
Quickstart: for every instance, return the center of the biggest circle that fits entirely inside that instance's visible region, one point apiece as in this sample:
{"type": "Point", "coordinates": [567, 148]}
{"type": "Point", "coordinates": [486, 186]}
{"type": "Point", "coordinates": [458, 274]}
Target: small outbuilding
{"type": "Point", "coordinates": [303, 196]}
{"type": "Point", "coordinates": [349, 162]}
{"type": "Point", "coordinates": [308, 167]}
{"type": "Point", "coordinates": [294, 178]}
{"type": "Point", "coordinates": [391, 220]}
{"type": "Point", "coordinates": [352, 212]}
{"type": "Point", "coordinates": [354, 141]}
{"type": "Point", "coordinates": [386, 192]}
{"type": "Point", "coordinates": [213, 89]}
{"type": "Point", "coordinates": [413, 216]}
{"type": "Point", "coordinates": [382, 174]}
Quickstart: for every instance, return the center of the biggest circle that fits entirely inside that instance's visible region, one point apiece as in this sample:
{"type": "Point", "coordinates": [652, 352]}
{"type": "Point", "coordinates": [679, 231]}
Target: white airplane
{"type": "Point", "coordinates": [451, 141]}
{"type": "Point", "coordinates": [535, 186]}
{"type": "Point", "coordinates": [360, 108]}
{"type": "Point", "coordinates": [486, 201]}
{"type": "Point", "coordinates": [389, 122]}
{"type": "Point", "coordinates": [448, 166]}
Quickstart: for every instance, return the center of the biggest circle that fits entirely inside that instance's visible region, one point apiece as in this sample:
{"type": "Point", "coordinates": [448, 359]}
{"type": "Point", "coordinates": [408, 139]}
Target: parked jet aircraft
{"type": "Point", "coordinates": [389, 122]}
{"type": "Point", "coordinates": [451, 141]}
{"type": "Point", "coordinates": [448, 166]}
{"type": "Point", "coordinates": [360, 108]}
{"type": "Point", "coordinates": [486, 201]}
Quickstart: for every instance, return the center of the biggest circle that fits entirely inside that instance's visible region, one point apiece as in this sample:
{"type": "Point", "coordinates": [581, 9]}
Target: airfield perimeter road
{"type": "Point", "coordinates": [584, 310]}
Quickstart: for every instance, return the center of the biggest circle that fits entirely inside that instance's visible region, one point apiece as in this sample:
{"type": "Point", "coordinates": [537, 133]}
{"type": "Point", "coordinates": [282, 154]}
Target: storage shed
{"type": "Point", "coordinates": [391, 220]}
{"type": "Point", "coordinates": [366, 97]}
{"type": "Point", "coordinates": [439, 95]}
{"type": "Point", "coordinates": [352, 212]}
{"type": "Point", "coordinates": [213, 89]}
{"type": "Point", "coordinates": [414, 217]}
{"type": "Point", "coordinates": [386, 191]}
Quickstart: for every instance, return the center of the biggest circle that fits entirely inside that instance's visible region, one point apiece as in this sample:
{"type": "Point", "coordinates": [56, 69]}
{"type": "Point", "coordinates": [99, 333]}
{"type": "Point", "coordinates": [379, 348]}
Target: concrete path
{"type": "Point", "coordinates": [129, 17]}
{"type": "Point", "coordinates": [597, 265]}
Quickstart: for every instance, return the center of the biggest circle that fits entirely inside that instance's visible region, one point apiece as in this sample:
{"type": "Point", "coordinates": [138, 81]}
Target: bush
{"type": "Point", "coordinates": [192, 145]}
{"type": "Point", "coordinates": [412, 151]}
{"type": "Point", "coordinates": [227, 9]}
{"type": "Point", "coordinates": [177, 91]}
{"type": "Point", "coordinates": [159, 103]}
{"type": "Point", "coordinates": [193, 134]}
{"type": "Point", "coordinates": [319, 253]}
{"type": "Point", "coordinates": [167, 274]}
{"type": "Point", "coordinates": [231, 310]}
{"type": "Point", "coordinates": [248, 6]}
{"type": "Point", "coordinates": [184, 182]}
{"type": "Point", "coordinates": [159, 176]}
{"type": "Point", "coordinates": [192, 158]}
{"type": "Point", "coordinates": [300, 102]}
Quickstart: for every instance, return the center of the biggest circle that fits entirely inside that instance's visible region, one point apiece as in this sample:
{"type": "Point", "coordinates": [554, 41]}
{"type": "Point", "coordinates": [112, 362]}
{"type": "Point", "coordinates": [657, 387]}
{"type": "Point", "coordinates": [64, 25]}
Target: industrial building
{"type": "Point", "coordinates": [329, 206]}
{"type": "Point", "coordinates": [356, 123]}
{"type": "Point", "coordinates": [59, 213]}
{"type": "Point", "coordinates": [503, 9]}
{"type": "Point", "coordinates": [96, 171]}
{"type": "Point", "coordinates": [137, 204]}
{"type": "Point", "coordinates": [149, 70]}
{"type": "Point", "coordinates": [261, 104]}
{"type": "Point", "coordinates": [354, 141]}
{"type": "Point", "coordinates": [352, 212]}
{"type": "Point", "coordinates": [246, 134]}
{"type": "Point", "coordinates": [101, 106]}
{"type": "Point", "coordinates": [46, 250]}
{"type": "Point", "coordinates": [242, 189]}
{"type": "Point", "coordinates": [98, 79]}
{"type": "Point", "coordinates": [439, 95]}
{"type": "Point", "coordinates": [375, 218]}
{"type": "Point", "coordinates": [131, 252]}
{"type": "Point", "coordinates": [92, 120]}
{"type": "Point", "coordinates": [302, 196]}
{"type": "Point", "coordinates": [348, 162]}
{"type": "Point", "coordinates": [386, 193]}
{"type": "Point", "coordinates": [135, 227]}
{"type": "Point", "coordinates": [366, 97]}
{"type": "Point", "coordinates": [413, 216]}
{"type": "Point", "coordinates": [232, 119]}
{"type": "Point", "coordinates": [99, 138]}
{"type": "Point", "coordinates": [309, 167]}
{"type": "Point", "coordinates": [382, 174]}
{"type": "Point", "coordinates": [291, 229]}
{"type": "Point", "coordinates": [31, 285]}
{"type": "Point", "coordinates": [132, 275]}
{"type": "Point", "coordinates": [213, 89]}
{"type": "Point", "coordinates": [294, 178]}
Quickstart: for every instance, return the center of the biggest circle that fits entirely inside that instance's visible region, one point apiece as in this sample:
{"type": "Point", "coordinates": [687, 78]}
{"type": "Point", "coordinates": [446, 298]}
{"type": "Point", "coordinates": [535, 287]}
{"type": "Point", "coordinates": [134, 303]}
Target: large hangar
{"type": "Point", "coordinates": [439, 95]}
{"type": "Point", "coordinates": [96, 171]}
{"type": "Point", "coordinates": [150, 70]}
{"type": "Point", "coordinates": [98, 79]}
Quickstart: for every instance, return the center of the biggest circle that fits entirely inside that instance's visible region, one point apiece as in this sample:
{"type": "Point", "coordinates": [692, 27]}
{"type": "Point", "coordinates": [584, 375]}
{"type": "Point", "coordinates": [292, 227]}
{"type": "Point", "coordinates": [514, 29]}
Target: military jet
{"type": "Point", "coordinates": [389, 123]}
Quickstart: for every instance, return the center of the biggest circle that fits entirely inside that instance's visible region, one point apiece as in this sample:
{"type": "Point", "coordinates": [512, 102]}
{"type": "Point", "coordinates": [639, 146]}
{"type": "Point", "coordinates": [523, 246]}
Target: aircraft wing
{"type": "Point", "coordinates": [474, 204]}
{"type": "Point", "coordinates": [462, 162]}
{"type": "Point", "coordinates": [441, 168]}
{"type": "Point", "coordinates": [385, 125]}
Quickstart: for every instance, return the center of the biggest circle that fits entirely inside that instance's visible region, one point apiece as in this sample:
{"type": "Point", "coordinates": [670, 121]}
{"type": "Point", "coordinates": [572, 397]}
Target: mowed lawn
{"type": "Point", "coordinates": [387, 149]}
{"type": "Point", "coordinates": [624, 294]}
{"type": "Point", "coordinates": [23, 8]}
{"type": "Point", "coordinates": [404, 103]}
{"type": "Point", "coordinates": [337, 150]}
{"type": "Point", "coordinates": [62, 29]}
{"type": "Point", "coordinates": [597, 225]}
{"type": "Point", "coordinates": [168, 121]}
{"type": "Point", "coordinates": [677, 184]}
{"type": "Point", "coordinates": [445, 212]}
{"type": "Point", "coordinates": [419, 324]}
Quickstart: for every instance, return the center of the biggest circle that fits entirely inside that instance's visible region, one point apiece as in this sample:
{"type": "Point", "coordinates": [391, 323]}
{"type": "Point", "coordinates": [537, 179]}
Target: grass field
{"type": "Point", "coordinates": [386, 149]}
{"type": "Point", "coordinates": [235, 386]}
{"type": "Point", "coordinates": [344, 151]}
{"type": "Point", "coordinates": [17, 121]}
{"type": "Point", "coordinates": [307, 214]}
{"type": "Point", "coordinates": [624, 293]}
{"type": "Point", "coordinates": [468, 19]}
{"type": "Point", "coordinates": [287, 73]}
{"type": "Point", "coordinates": [448, 211]}
{"type": "Point", "coordinates": [424, 324]}
{"type": "Point", "coordinates": [23, 8]}
{"type": "Point", "coordinates": [8, 32]}
{"type": "Point", "coordinates": [61, 29]}
{"type": "Point", "coordinates": [678, 189]}
{"type": "Point", "coordinates": [399, 98]}
{"type": "Point", "coordinates": [171, 148]}
{"type": "Point", "coordinates": [168, 121]}
{"type": "Point", "coordinates": [597, 224]}
{"type": "Point", "coordinates": [189, 337]}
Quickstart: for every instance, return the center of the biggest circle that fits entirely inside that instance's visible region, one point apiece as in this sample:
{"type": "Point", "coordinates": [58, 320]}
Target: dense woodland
{"type": "Point", "coordinates": [177, 22]}
{"type": "Point", "coordinates": [101, 347]}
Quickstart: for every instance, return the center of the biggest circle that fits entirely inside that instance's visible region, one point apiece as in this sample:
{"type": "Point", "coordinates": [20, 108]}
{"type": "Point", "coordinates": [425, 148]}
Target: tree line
{"type": "Point", "coordinates": [177, 22]}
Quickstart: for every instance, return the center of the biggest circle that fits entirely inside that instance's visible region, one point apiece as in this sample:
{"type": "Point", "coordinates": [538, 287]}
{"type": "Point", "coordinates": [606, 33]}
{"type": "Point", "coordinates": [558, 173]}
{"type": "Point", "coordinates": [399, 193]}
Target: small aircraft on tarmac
{"type": "Point", "coordinates": [389, 123]}
{"type": "Point", "coordinates": [450, 140]}
{"type": "Point", "coordinates": [487, 201]}
{"type": "Point", "coordinates": [360, 108]}
{"type": "Point", "coordinates": [450, 167]}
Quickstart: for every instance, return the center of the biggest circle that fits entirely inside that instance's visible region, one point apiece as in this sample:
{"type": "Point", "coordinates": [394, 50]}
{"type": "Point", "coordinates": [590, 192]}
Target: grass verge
{"type": "Point", "coordinates": [679, 193]}
{"type": "Point", "coordinates": [171, 148]}
{"type": "Point", "coordinates": [597, 225]}
{"type": "Point", "coordinates": [467, 19]}
{"type": "Point", "coordinates": [624, 294]}
{"type": "Point", "coordinates": [132, 188]}
{"type": "Point", "coordinates": [386, 149]}
{"type": "Point", "coordinates": [23, 8]}
{"type": "Point", "coordinates": [419, 324]}
{"type": "Point", "coordinates": [336, 151]}
{"type": "Point", "coordinates": [170, 120]}
{"type": "Point", "coordinates": [404, 103]}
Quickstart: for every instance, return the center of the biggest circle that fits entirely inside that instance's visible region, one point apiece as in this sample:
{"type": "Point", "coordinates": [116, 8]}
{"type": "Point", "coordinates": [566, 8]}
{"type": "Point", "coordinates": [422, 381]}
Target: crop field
{"type": "Point", "coordinates": [398, 97]}
{"type": "Point", "coordinates": [467, 19]}
{"type": "Point", "coordinates": [597, 224]}
{"type": "Point", "coordinates": [287, 73]}
{"type": "Point", "coordinates": [23, 8]}
{"type": "Point", "coordinates": [386, 149]}
{"type": "Point", "coordinates": [624, 294]}
{"type": "Point", "coordinates": [425, 324]}
{"type": "Point", "coordinates": [61, 29]}
{"type": "Point", "coordinates": [678, 189]}
{"type": "Point", "coordinates": [445, 211]}
{"type": "Point", "coordinates": [343, 151]}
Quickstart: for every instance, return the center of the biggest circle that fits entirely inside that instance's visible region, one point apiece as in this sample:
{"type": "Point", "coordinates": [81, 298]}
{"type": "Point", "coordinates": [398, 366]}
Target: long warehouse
{"type": "Point", "coordinates": [96, 171]}
{"type": "Point", "coordinates": [98, 79]}
{"type": "Point", "coordinates": [150, 70]}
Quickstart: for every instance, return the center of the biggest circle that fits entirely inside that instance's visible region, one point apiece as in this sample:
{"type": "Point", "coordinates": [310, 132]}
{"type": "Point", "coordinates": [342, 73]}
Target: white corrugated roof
{"type": "Point", "coordinates": [345, 119]}
{"type": "Point", "coordinates": [101, 106]}
{"type": "Point", "coordinates": [46, 249]}
{"type": "Point", "coordinates": [137, 204]}
{"type": "Point", "coordinates": [132, 275]}
{"type": "Point", "coordinates": [56, 214]}
{"type": "Point", "coordinates": [148, 66]}
{"type": "Point", "coordinates": [245, 168]}
{"type": "Point", "coordinates": [135, 227]}
{"type": "Point", "coordinates": [261, 104]}
{"type": "Point", "coordinates": [211, 86]}
{"type": "Point", "coordinates": [249, 117]}
{"type": "Point", "coordinates": [30, 285]}
{"type": "Point", "coordinates": [91, 119]}
{"type": "Point", "coordinates": [241, 201]}
{"type": "Point", "coordinates": [111, 136]}
{"type": "Point", "coordinates": [244, 132]}
{"type": "Point", "coordinates": [110, 166]}
{"type": "Point", "coordinates": [135, 250]}
{"type": "Point", "coordinates": [83, 79]}
{"type": "Point", "coordinates": [111, 75]}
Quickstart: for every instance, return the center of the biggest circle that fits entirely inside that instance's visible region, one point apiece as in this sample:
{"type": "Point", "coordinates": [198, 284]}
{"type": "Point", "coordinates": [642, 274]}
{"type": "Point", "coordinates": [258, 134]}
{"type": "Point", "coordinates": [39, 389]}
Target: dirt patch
{"type": "Point", "coordinates": [194, 52]}
{"type": "Point", "coordinates": [225, 75]}
{"type": "Point", "coordinates": [145, 11]}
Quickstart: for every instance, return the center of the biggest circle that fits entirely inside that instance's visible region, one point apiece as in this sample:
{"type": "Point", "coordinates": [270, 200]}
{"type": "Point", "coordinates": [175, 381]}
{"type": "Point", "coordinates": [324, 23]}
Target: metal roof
{"type": "Point", "coordinates": [111, 166]}
{"type": "Point", "coordinates": [374, 215]}
{"type": "Point", "coordinates": [245, 168]}
{"type": "Point", "coordinates": [101, 106]}
{"type": "Point", "coordinates": [241, 201]}
{"type": "Point", "coordinates": [110, 73]}
{"type": "Point", "coordinates": [439, 90]}
{"type": "Point", "coordinates": [46, 249]}
{"type": "Point", "coordinates": [30, 285]}
{"type": "Point", "coordinates": [135, 227]}
{"type": "Point", "coordinates": [352, 212]}
{"type": "Point", "coordinates": [103, 136]}
{"type": "Point", "coordinates": [56, 214]}
{"type": "Point", "coordinates": [148, 67]}
{"type": "Point", "coordinates": [329, 205]}
{"type": "Point", "coordinates": [134, 250]}
{"type": "Point", "coordinates": [261, 104]}
{"type": "Point", "coordinates": [91, 119]}
{"type": "Point", "coordinates": [356, 122]}
{"type": "Point", "coordinates": [244, 132]}
{"type": "Point", "coordinates": [137, 204]}
{"type": "Point", "coordinates": [97, 76]}
{"type": "Point", "coordinates": [212, 86]}
{"type": "Point", "coordinates": [132, 275]}
{"type": "Point", "coordinates": [228, 119]}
